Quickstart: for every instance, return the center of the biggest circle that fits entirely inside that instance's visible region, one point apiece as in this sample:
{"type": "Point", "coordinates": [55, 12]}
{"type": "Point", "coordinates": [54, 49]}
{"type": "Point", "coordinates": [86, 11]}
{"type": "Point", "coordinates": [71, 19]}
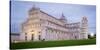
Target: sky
{"type": "Point", "coordinates": [72, 12]}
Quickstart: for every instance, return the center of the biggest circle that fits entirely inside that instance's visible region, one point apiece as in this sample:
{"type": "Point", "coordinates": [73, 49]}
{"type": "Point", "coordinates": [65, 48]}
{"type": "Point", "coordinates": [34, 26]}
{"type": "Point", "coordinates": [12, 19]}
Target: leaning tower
{"type": "Point", "coordinates": [84, 28]}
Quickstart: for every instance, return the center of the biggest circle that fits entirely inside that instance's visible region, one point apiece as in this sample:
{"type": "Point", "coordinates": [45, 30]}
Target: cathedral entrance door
{"type": "Point", "coordinates": [39, 37]}
{"type": "Point", "coordinates": [32, 37]}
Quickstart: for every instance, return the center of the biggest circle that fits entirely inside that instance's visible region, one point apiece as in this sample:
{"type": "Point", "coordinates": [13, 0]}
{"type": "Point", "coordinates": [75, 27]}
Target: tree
{"type": "Point", "coordinates": [89, 36]}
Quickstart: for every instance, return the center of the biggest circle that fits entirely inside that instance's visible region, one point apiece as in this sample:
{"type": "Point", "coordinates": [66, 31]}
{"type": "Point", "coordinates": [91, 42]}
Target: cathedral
{"type": "Point", "coordinates": [42, 26]}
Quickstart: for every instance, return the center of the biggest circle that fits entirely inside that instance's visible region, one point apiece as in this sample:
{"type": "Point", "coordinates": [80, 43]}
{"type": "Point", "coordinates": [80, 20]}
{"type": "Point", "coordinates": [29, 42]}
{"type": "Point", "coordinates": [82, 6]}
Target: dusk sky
{"type": "Point", "coordinates": [72, 12]}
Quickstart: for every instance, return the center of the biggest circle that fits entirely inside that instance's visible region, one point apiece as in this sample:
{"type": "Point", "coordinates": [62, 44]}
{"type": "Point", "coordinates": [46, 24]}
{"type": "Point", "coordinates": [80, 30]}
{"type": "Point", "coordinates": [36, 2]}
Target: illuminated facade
{"type": "Point", "coordinates": [42, 26]}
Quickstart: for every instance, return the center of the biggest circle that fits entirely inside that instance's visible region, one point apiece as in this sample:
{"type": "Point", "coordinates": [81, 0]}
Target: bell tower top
{"type": "Point", "coordinates": [84, 19]}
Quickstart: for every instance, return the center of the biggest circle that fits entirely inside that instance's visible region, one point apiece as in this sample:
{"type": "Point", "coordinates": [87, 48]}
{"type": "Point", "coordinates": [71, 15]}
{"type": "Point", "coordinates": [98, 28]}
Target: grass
{"type": "Point", "coordinates": [42, 44]}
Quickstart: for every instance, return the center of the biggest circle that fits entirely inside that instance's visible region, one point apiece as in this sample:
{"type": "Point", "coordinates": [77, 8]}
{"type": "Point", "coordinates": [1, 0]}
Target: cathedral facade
{"type": "Point", "coordinates": [42, 26]}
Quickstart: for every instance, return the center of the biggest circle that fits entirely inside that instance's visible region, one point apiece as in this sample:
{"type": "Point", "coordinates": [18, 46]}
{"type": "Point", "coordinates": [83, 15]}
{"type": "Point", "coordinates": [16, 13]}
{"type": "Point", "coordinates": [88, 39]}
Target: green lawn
{"type": "Point", "coordinates": [42, 44]}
